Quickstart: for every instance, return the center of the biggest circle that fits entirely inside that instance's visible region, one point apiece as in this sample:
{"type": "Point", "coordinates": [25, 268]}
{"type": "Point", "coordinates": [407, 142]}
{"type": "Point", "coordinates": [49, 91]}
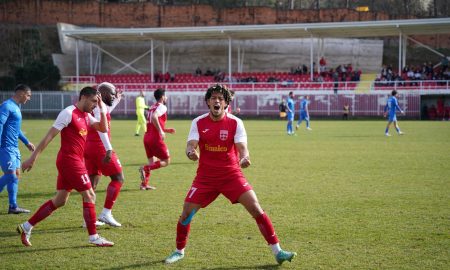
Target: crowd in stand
{"type": "Point", "coordinates": [410, 75]}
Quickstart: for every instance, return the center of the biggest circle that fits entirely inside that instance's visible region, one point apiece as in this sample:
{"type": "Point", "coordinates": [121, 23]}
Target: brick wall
{"type": "Point", "coordinates": [95, 13]}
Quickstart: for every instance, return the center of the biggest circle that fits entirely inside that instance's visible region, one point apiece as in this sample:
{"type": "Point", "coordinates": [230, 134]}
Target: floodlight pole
{"type": "Point", "coordinates": [152, 71]}
{"type": "Point", "coordinates": [311, 58]}
{"type": "Point", "coordinates": [77, 64]}
{"type": "Point", "coordinates": [400, 39]}
{"type": "Point", "coordinates": [163, 57]}
{"type": "Point", "coordinates": [229, 59]}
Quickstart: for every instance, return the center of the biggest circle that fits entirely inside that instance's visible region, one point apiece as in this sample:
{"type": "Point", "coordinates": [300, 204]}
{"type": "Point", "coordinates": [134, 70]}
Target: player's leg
{"type": "Point", "coordinates": [397, 128]}
{"type": "Point", "coordinates": [249, 200]}
{"type": "Point", "coordinates": [13, 188]}
{"type": "Point", "coordinates": [42, 213]}
{"type": "Point", "coordinates": [90, 218]}
{"type": "Point", "coordinates": [183, 228]}
{"type": "Point", "coordinates": [298, 122]}
{"type": "Point", "coordinates": [386, 132]}
{"type": "Point", "coordinates": [307, 123]}
{"type": "Point", "coordinates": [112, 192]}
{"type": "Point", "coordinates": [158, 150]}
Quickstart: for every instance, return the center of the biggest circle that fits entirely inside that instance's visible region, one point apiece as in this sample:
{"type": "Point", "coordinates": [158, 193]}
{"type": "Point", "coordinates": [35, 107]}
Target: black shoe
{"type": "Point", "coordinates": [18, 210]}
{"type": "Point", "coordinates": [136, 135]}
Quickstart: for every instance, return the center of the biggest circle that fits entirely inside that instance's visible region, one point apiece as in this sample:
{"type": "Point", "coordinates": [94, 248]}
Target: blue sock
{"type": "Point", "coordinates": [398, 129]}
{"type": "Point", "coordinates": [13, 187]}
{"type": "Point", "coordinates": [12, 182]}
{"type": "Point", "coordinates": [307, 123]}
{"type": "Point", "coordinates": [387, 130]}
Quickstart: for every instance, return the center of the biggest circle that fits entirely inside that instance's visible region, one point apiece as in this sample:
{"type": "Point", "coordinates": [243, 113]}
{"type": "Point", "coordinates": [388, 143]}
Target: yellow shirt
{"type": "Point", "coordinates": [140, 104]}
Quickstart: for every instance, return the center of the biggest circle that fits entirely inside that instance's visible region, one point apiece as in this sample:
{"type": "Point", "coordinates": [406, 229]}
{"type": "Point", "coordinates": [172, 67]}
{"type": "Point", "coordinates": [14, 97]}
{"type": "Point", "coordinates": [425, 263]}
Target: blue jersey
{"type": "Point", "coordinates": [392, 106]}
{"type": "Point", "coordinates": [290, 104]}
{"type": "Point", "coordinates": [10, 123]}
{"type": "Point", "coordinates": [304, 105]}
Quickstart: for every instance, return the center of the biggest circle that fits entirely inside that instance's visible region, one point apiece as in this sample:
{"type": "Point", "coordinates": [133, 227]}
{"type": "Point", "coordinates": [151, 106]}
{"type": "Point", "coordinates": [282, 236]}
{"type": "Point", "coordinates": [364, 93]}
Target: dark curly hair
{"type": "Point", "coordinates": [218, 89]}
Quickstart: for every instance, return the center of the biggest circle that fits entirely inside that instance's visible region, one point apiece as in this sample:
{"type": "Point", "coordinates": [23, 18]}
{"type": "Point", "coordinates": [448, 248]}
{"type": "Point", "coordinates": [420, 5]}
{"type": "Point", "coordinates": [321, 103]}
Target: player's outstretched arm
{"type": "Point", "coordinates": [191, 150]}
{"type": "Point", "coordinates": [28, 164]}
{"type": "Point", "coordinates": [244, 155]}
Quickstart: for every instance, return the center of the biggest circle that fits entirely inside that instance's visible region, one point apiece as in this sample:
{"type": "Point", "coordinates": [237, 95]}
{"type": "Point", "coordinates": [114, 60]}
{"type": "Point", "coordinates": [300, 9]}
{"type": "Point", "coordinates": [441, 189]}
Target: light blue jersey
{"type": "Point", "coordinates": [392, 107]}
{"type": "Point", "coordinates": [10, 133]}
{"type": "Point", "coordinates": [291, 106]}
{"type": "Point", "coordinates": [10, 130]}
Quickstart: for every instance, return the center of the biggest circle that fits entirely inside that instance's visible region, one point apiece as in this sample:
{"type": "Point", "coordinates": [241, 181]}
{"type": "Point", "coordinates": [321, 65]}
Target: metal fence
{"type": "Point", "coordinates": [251, 103]}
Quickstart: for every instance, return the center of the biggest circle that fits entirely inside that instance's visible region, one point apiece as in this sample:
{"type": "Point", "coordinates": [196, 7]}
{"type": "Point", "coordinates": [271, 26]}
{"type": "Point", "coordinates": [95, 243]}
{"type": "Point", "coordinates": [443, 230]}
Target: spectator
{"type": "Point", "coordinates": [346, 111]}
{"type": "Point", "coordinates": [198, 72]}
{"type": "Point", "coordinates": [282, 108]}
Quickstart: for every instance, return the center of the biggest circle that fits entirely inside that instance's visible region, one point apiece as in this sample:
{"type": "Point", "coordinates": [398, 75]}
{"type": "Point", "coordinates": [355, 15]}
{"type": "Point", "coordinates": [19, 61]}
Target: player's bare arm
{"type": "Point", "coordinates": [191, 150]}
{"type": "Point", "coordinates": [244, 155]}
{"type": "Point", "coordinates": [170, 130]}
{"type": "Point", "coordinates": [101, 126]}
{"type": "Point", "coordinates": [27, 165]}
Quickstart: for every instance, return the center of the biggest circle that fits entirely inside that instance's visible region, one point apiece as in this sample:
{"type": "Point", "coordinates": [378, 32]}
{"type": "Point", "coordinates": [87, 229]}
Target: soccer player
{"type": "Point", "coordinates": [99, 157]}
{"type": "Point", "coordinates": [140, 113]}
{"type": "Point", "coordinates": [304, 113]}
{"type": "Point", "coordinates": [154, 139]}
{"type": "Point", "coordinates": [10, 132]}
{"type": "Point", "coordinates": [391, 109]}
{"type": "Point", "coordinates": [73, 124]}
{"type": "Point", "coordinates": [217, 134]}
{"type": "Point", "coordinates": [290, 113]}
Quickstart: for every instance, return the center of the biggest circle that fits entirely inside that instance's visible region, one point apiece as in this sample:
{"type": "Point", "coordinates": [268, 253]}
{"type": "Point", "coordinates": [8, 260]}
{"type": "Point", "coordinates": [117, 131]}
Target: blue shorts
{"type": "Point", "coordinates": [290, 116]}
{"type": "Point", "coordinates": [393, 118]}
{"type": "Point", "coordinates": [9, 159]}
{"type": "Point", "coordinates": [304, 116]}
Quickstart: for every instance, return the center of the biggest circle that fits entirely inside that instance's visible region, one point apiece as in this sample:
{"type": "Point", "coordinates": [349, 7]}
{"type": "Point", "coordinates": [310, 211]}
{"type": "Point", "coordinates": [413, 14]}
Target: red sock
{"type": "Point", "coordinates": [43, 212]}
{"type": "Point", "coordinates": [111, 193]}
{"type": "Point", "coordinates": [266, 228]}
{"type": "Point", "coordinates": [156, 165]}
{"type": "Point", "coordinates": [90, 217]}
{"type": "Point", "coordinates": [182, 235]}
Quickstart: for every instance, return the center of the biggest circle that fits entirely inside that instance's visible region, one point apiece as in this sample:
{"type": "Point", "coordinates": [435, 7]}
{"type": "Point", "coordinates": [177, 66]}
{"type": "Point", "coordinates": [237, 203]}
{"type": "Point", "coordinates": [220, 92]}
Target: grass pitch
{"type": "Point", "coordinates": [343, 196]}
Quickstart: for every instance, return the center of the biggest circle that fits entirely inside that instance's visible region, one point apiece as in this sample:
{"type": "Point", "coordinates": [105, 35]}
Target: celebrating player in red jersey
{"type": "Point", "coordinates": [73, 124]}
{"type": "Point", "coordinates": [154, 138]}
{"type": "Point", "coordinates": [99, 156]}
{"type": "Point", "coordinates": [216, 134]}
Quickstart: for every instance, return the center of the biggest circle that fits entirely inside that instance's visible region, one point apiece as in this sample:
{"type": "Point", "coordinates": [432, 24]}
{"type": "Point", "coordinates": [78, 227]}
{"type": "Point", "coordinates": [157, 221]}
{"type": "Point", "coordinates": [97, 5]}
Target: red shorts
{"type": "Point", "coordinates": [72, 175]}
{"type": "Point", "coordinates": [205, 191]}
{"type": "Point", "coordinates": [155, 148]}
{"type": "Point", "coordinates": [95, 165]}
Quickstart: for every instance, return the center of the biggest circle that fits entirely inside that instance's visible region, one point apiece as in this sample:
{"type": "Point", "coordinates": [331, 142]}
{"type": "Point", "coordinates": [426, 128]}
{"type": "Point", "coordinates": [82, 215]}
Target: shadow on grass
{"type": "Point", "coordinates": [34, 249]}
{"type": "Point", "coordinates": [266, 266]}
{"type": "Point", "coordinates": [137, 165]}
{"type": "Point", "coordinates": [138, 265]}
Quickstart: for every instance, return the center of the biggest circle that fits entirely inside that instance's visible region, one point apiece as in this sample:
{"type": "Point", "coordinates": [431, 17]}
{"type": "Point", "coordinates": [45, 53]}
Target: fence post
{"type": "Point", "coordinates": [40, 104]}
{"type": "Point", "coordinates": [62, 101]}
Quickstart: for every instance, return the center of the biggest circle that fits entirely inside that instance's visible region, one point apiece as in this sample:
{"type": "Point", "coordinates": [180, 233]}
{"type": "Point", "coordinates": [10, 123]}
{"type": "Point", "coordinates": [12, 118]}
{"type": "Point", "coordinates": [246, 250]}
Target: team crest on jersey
{"type": "Point", "coordinates": [223, 135]}
{"type": "Point", "coordinates": [83, 132]}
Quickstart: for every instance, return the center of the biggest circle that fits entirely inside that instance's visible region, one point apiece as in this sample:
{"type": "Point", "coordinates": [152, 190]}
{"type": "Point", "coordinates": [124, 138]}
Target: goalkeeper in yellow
{"type": "Point", "coordinates": [140, 112]}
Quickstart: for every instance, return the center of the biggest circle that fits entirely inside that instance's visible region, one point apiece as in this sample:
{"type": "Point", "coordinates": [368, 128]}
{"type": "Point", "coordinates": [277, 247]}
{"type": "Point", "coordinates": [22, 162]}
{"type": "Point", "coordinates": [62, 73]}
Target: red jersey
{"type": "Point", "coordinates": [73, 125]}
{"type": "Point", "coordinates": [216, 140]}
{"type": "Point", "coordinates": [93, 138]}
{"type": "Point", "coordinates": [161, 111]}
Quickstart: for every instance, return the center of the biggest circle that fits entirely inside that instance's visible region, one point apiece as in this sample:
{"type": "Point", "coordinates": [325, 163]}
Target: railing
{"type": "Point", "coordinates": [251, 103]}
{"type": "Point", "coordinates": [439, 85]}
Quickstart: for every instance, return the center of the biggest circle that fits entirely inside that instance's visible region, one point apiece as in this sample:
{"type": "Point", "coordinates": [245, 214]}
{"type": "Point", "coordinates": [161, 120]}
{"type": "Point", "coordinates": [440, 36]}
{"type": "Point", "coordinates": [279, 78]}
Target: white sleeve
{"type": "Point", "coordinates": [63, 120]}
{"type": "Point", "coordinates": [93, 119]}
{"type": "Point", "coordinates": [162, 109]}
{"type": "Point", "coordinates": [193, 133]}
{"type": "Point", "coordinates": [105, 140]}
{"type": "Point", "coordinates": [241, 135]}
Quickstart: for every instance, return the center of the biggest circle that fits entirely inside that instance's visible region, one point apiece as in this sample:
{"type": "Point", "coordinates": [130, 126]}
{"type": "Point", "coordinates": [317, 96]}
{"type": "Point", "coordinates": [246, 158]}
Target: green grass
{"type": "Point", "coordinates": [343, 196]}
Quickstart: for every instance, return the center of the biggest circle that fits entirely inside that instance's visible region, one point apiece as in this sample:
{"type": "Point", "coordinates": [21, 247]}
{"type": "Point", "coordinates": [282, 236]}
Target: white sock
{"type": "Point", "coordinates": [93, 237]}
{"type": "Point", "coordinates": [106, 212]}
{"type": "Point", "coordinates": [181, 251]}
{"type": "Point", "coordinates": [27, 226]}
{"type": "Point", "coordinates": [275, 248]}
